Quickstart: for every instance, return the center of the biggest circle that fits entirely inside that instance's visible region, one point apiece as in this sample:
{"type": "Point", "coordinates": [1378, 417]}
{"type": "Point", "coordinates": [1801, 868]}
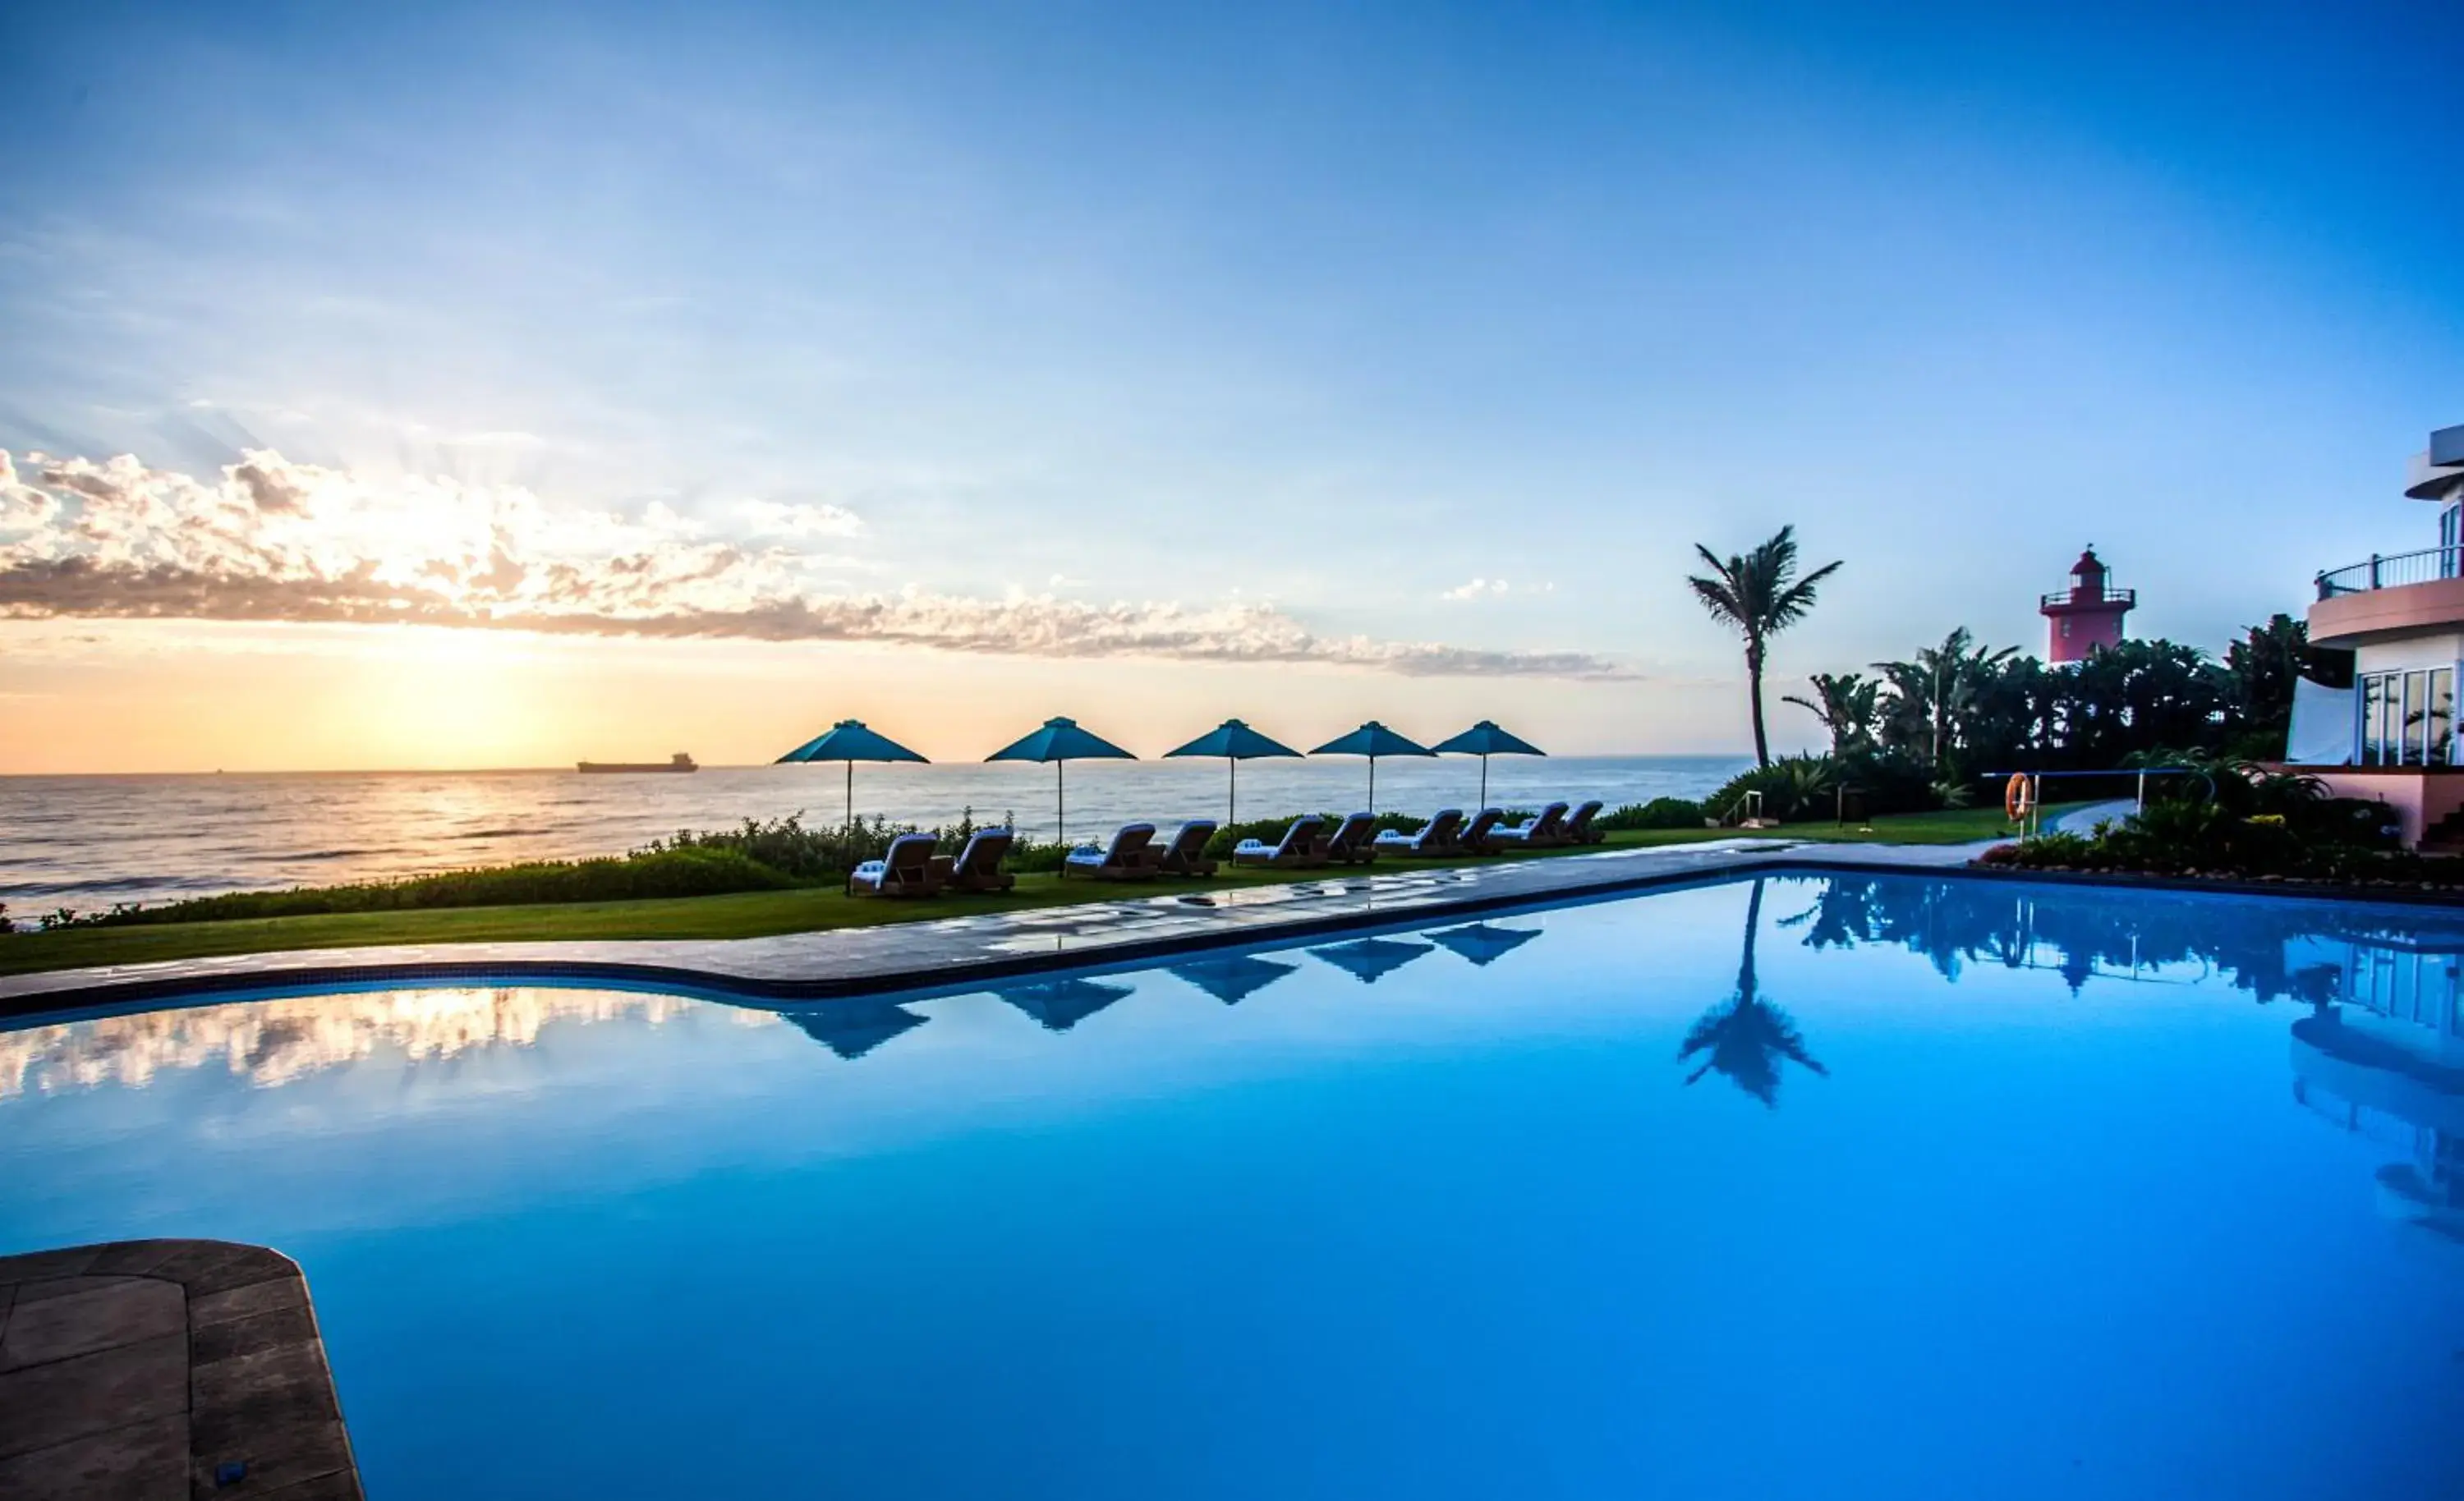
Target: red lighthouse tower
{"type": "Point", "coordinates": [2088, 615]}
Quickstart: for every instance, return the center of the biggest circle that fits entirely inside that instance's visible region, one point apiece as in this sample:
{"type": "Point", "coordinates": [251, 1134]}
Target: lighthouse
{"type": "Point", "coordinates": [2086, 616]}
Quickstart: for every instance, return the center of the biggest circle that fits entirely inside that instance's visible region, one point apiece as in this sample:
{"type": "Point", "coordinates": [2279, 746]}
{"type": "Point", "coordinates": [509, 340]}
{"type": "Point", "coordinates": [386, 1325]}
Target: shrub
{"type": "Point", "coordinates": [787, 845]}
{"type": "Point", "coordinates": [2307, 836]}
{"type": "Point", "coordinates": [1793, 787]}
{"type": "Point", "coordinates": [662, 873]}
{"type": "Point", "coordinates": [1661, 812]}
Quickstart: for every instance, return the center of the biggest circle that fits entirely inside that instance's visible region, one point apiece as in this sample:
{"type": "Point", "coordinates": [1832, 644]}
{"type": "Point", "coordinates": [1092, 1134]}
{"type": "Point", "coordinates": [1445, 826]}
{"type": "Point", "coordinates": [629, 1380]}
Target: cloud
{"type": "Point", "coordinates": [272, 540]}
{"type": "Point", "coordinates": [1491, 588]}
{"type": "Point", "coordinates": [779, 518]}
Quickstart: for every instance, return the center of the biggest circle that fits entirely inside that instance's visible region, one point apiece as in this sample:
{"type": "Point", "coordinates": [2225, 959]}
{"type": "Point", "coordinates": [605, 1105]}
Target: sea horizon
{"type": "Point", "coordinates": [84, 841]}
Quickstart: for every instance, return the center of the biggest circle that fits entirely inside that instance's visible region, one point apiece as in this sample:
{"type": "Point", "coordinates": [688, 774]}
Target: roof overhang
{"type": "Point", "coordinates": [2438, 474]}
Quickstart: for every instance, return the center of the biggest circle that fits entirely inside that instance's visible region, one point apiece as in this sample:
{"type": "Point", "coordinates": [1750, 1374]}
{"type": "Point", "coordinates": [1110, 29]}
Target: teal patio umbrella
{"type": "Point", "coordinates": [853, 1029]}
{"type": "Point", "coordinates": [1372, 740]}
{"type": "Point", "coordinates": [1369, 960]}
{"type": "Point", "coordinates": [1059, 1005]}
{"type": "Point", "coordinates": [850, 741]}
{"type": "Point", "coordinates": [1485, 740]}
{"type": "Point", "coordinates": [1234, 742]}
{"type": "Point", "coordinates": [1232, 978]}
{"type": "Point", "coordinates": [1060, 741]}
{"type": "Point", "coordinates": [1484, 943]}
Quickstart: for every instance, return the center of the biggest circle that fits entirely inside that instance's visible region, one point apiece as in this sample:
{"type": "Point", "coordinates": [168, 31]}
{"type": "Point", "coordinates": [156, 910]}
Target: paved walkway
{"type": "Point", "coordinates": [969, 950]}
{"type": "Point", "coordinates": [166, 1369]}
{"type": "Point", "coordinates": [2084, 820]}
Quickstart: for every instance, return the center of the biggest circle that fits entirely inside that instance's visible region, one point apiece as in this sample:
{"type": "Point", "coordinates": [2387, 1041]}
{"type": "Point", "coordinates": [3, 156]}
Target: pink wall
{"type": "Point", "coordinates": [2091, 626]}
{"type": "Point", "coordinates": [2421, 797]}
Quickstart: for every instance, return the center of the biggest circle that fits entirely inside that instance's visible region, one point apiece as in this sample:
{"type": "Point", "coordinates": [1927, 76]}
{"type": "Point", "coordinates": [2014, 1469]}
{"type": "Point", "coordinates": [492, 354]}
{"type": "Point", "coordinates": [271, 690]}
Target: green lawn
{"type": "Point", "coordinates": [760, 913]}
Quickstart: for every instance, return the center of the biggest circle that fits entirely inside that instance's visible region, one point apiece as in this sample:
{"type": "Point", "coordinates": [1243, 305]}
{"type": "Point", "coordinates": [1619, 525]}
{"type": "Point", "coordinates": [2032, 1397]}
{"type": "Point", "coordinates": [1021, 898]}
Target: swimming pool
{"type": "Point", "coordinates": [1790, 1186]}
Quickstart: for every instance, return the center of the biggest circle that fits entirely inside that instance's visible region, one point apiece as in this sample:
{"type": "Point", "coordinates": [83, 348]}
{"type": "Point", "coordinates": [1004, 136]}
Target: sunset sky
{"type": "Point", "coordinates": [501, 385]}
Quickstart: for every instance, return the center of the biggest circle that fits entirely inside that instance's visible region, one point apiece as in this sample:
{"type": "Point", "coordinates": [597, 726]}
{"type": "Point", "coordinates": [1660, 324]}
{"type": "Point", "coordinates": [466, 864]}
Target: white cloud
{"type": "Point", "coordinates": [274, 541]}
{"type": "Point", "coordinates": [779, 519]}
{"type": "Point", "coordinates": [1492, 589]}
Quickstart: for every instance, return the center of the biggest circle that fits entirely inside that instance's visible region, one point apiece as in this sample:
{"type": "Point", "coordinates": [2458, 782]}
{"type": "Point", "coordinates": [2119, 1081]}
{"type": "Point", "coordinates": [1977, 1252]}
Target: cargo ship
{"type": "Point", "coordinates": [678, 762]}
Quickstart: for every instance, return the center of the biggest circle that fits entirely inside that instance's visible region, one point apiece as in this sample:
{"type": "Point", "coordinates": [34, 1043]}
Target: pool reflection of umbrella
{"type": "Point", "coordinates": [1232, 978]}
{"type": "Point", "coordinates": [1234, 742]}
{"type": "Point", "coordinates": [850, 741]}
{"type": "Point", "coordinates": [1484, 943]}
{"type": "Point", "coordinates": [1372, 740]}
{"type": "Point", "coordinates": [853, 1029]}
{"type": "Point", "coordinates": [1369, 960]}
{"type": "Point", "coordinates": [1063, 1004]}
{"type": "Point", "coordinates": [1060, 741]}
{"type": "Point", "coordinates": [1485, 740]}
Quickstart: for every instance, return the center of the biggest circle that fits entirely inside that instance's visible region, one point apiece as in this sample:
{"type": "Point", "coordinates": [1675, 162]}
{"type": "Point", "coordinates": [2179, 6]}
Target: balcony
{"type": "Point", "coordinates": [2392, 570]}
{"type": "Point", "coordinates": [2392, 596]}
{"type": "Point", "coordinates": [2117, 598]}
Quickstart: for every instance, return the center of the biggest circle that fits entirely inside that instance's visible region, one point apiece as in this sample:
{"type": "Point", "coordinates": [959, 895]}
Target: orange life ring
{"type": "Point", "coordinates": [2015, 797]}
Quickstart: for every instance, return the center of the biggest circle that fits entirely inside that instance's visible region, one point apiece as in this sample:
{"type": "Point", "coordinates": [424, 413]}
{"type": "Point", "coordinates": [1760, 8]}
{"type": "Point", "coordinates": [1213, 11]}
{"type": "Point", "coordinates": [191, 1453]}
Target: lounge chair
{"type": "Point", "coordinates": [1579, 828]}
{"type": "Point", "coordinates": [1299, 846]}
{"type": "Point", "coordinates": [1547, 832]}
{"type": "Point", "coordinates": [979, 866]}
{"type": "Point", "coordinates": [1125, 859]}
{"type": "Point", "coordinates": [1476, 837]}
{"type": "Point", "coordinates": [904, 870]}
{"type": "Point", "coordinates": [1354, 844]}
{"type": "Point", "coordinates": [1437, 836]}
{"type": "Point", "coordinates": [1186, 854]}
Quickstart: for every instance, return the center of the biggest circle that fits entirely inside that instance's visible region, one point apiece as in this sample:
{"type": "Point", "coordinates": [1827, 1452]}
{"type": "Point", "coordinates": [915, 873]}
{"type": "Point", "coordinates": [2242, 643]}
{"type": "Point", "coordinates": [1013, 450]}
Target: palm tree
{"type": "Point", "coordinates": [1747, 1037]}
{"type": "Point", "coordinates": [1937, 689]}
{"type": "Point", "coordinates": [1758, 595]}
{"type": "Point", "coordinates": [1847, 704]}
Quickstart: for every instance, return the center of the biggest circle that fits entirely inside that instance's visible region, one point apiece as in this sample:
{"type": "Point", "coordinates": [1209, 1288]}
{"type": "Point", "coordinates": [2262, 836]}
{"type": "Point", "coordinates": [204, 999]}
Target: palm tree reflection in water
{"type": "Point", "coordinates": [1747, 1037]}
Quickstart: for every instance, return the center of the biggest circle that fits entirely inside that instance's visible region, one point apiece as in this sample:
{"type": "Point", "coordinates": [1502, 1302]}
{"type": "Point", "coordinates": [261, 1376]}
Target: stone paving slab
{"type": "Point", "coordinates": [939, 953]}
{"type": "Point", "coordinates": [166, 1368]}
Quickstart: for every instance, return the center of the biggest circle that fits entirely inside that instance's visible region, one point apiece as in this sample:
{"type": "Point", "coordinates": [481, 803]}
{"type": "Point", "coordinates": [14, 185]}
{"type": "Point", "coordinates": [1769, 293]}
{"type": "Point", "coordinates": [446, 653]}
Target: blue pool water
{"type": "Point", "coordinates": [1793, 1187]}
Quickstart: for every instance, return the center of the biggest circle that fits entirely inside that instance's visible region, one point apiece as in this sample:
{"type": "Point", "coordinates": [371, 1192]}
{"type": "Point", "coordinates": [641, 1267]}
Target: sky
{"type": "Point", "coordinates": [508, 385]}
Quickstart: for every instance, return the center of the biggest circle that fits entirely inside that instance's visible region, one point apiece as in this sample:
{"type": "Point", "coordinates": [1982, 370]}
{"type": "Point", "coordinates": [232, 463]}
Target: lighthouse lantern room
{"type": "Point", "coordinates": [2088, 614]}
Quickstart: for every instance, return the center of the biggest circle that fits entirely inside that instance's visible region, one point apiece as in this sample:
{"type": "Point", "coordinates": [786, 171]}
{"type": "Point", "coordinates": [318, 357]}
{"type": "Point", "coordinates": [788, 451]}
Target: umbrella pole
{"type": "Point", "coordinates": [1484, 780]}
{"type": "Point", "coordinates": [1232, 799]}
{"type": "Point", "coordinates": [1060, 803]}
{"type": "Point", "coordinates": [1373, 787]}
{"type": "Point", "coordinates": [850, 819]}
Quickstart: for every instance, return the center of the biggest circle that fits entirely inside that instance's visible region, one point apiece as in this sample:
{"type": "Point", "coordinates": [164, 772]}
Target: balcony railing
{"type": "Point", "coordinates": [2128, 599]}
{"type": "Point", "coordinates": [2392, 570]}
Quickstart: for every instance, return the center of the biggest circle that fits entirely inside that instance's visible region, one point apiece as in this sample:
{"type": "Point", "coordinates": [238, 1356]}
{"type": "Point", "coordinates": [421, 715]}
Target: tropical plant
{"type": "Point", "coordinates": [1933, 693]}
{"type": "Point", "coordinates": [2264, 664]}
{"type": "Point", "coordinates": [1758, 595]}
{"type": "Point", "coordinates": [1661, 812]}
{"type": "Point", "coordinates": [1848, 704]}
{"type": "Point", "coordinates": [1792, 787]}
{"type": "Point", "coordinates": [1746, 1036]}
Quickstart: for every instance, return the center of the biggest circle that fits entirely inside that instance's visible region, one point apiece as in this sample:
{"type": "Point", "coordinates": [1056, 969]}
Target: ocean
{"type": "Point", "coordinates": [85, 842]}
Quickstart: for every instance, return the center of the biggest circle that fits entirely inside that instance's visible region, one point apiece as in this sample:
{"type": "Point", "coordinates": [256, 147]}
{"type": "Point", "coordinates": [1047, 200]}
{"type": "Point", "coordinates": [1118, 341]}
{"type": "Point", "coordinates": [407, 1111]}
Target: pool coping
{"type": "Point", "coordinates": [973, 952]}
{"type": "Point", "coordinates": [253, 1413]}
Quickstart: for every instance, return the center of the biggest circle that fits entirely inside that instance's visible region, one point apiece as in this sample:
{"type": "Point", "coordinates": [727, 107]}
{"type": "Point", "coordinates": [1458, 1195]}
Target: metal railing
{"type": "Point", "coordinates": [2126, 598]}
{"type": "Point", "coordinates": [2392, 570]}
{"type": "Point", "coordinates": [2032, 818]}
